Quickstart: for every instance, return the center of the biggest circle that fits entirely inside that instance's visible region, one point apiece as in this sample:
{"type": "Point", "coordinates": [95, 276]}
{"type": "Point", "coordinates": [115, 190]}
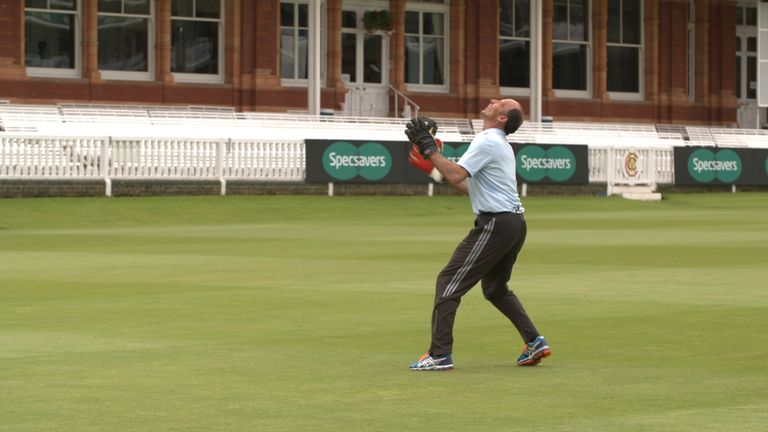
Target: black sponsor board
{"type": "Point", "coordinates": [552, 163]}
{"type": "Point", "coordinates": [358, 161]}
{"type": "Point", "coordinates": [720, 166]}
{"type": "Point", "coordinates": [761, 166]}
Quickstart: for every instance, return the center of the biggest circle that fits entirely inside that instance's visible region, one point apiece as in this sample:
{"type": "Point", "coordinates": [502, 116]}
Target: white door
{"type": "Point", "coordinates": [364, 66]}
{"type": "Point", "coordinates": [748, 116]}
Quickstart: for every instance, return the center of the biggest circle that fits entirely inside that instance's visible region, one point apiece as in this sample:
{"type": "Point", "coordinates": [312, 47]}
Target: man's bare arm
{"type": "Point", "coordinates": [454, 173]}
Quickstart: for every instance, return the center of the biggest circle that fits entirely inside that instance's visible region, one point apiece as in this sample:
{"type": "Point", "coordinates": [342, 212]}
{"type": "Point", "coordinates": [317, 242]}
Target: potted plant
{"type": "Point", "coordinates": [377, 21]}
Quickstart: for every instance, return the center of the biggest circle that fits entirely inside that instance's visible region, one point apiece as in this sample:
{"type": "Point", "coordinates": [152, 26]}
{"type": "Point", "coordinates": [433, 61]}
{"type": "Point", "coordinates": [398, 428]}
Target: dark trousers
{"type": "Point", "coordinates": [487, 254]}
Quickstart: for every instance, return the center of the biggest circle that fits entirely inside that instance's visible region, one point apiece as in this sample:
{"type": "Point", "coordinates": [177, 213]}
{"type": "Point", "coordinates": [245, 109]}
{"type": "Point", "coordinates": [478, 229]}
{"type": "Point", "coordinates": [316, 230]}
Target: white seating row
{"type": "Point", "coordinates": [69, 119]}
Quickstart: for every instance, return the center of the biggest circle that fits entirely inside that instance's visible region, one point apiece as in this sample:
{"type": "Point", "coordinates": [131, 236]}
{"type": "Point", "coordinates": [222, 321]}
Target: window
{"type": "Point", "coordinates": [294, 40]}
{"type": "Point", "coordinates": [570, 47]}
{"type": "Point", "coordinates": [746, 53]}
{"type": "Point", "coordinates": [425, 46]}
{"type": "Point", "coordinates": [514, 44]}
{"type": "Point", "coordinates": [52, 38]}
{"type": "Point", "coordinates": [126, 38]}
{"type": "Point", "coordinates": [294, 43]}
{"type": "Point", "coordinates": [624, 48]}
{"type": "Point", "coordinates": [196, 41]}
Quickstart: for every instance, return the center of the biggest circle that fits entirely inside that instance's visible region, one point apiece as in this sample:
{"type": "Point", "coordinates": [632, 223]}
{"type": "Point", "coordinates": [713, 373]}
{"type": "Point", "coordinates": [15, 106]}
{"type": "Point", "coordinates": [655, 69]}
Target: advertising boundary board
{"type": "Point", "coordinates": [720, 166]}
{"type": "Point", "coordinates": [359, 161]}
{"type": "Point", "coordinates": [552, 163]}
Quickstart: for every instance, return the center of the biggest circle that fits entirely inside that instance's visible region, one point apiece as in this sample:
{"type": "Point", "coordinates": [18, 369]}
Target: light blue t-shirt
{"type": "Point", "coordinates": [490, 162]}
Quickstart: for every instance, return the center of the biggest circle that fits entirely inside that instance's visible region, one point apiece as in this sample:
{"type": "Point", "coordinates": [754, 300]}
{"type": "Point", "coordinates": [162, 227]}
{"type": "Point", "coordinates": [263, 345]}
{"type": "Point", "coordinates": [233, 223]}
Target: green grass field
{"type": "Point", "coordinates": [303, 313]}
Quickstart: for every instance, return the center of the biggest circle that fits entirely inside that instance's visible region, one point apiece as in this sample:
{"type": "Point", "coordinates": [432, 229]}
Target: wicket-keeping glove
{"type": "Point", "coordinates": [417, 131]}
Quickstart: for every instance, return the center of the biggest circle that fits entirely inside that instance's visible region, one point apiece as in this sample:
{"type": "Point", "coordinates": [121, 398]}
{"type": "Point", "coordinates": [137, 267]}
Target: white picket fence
{"type": "Point", "coordinates": [34, 157]}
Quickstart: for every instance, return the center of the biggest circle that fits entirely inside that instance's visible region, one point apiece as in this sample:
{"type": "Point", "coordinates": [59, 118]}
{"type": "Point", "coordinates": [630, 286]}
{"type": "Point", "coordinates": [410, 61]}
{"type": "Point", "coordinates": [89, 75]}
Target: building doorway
{"type": "Point", "coordinates": [748, 115]}
{"type": "Point", "coordinates": [364, 65]}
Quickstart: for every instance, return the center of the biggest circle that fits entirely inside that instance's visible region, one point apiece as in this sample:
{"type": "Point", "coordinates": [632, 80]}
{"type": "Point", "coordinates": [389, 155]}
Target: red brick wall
{"type": "Point", "coordinates": [10, 29]}
{"type": "Point", "coordinates": [253, 81]}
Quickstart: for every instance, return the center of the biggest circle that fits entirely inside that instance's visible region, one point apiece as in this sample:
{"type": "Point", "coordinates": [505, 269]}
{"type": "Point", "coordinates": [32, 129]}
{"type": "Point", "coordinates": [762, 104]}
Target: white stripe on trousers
{"type": "Point", "coordinates": [471, 258]}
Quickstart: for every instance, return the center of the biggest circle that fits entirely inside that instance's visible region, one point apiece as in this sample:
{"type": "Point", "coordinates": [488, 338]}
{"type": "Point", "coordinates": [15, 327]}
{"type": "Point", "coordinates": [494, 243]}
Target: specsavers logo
{"type": "Point", "coordinates": [706, 165]}
{"type": "Point", "coordinates": [534, 163]}
{"type": "Point", "coordinates": [344, 161]}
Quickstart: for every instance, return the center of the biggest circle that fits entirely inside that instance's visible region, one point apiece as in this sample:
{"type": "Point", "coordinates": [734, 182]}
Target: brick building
{"type": "Point", "coordinates": [653, 61]}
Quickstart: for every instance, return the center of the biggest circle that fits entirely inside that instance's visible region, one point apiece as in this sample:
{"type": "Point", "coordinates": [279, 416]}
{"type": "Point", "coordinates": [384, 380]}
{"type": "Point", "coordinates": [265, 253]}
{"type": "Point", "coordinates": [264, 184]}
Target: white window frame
{"type": "Point", "coordinates": [577, 94]}
{"type": "Point", "coordinates": [639, 95]}
{"type": "Point", "coordinates": [304, 82]}
{"type": "Point", "coordinates": [518, 91]}
{"type": "Point", "coordinates": [743, 54]}
{"type": "Point", "coordinates": [218, 78]}
{"type": "Point", "coordinates": [75, 72]}
{"type": "Point", "coordinates": [443, 8]}
{"type": "Point", "coordinates": [149, 75]}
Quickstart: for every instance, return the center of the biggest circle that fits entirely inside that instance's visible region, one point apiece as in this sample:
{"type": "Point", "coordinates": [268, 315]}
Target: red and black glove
{"type": "Point", "coordinates": [416, 159]}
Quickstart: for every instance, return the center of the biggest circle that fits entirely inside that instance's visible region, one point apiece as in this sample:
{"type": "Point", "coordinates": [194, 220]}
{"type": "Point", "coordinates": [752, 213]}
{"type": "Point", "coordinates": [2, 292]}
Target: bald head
{"type": "Point", "coordinates": [504, 114]}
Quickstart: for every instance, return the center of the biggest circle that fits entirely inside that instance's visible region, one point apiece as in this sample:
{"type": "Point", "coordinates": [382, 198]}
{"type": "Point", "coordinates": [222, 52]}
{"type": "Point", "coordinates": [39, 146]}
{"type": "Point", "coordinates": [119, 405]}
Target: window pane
{"type": "Point", "coordinates": [182, 8]}
{"type": "Point", "coordinates": [63, 4]}
{"type": "Point", "coordinates": [750, 17]}
{"type": "Point", "coordinates": [578, 30]}
{"type": "Point", "coordinates": [623, 69]}
{"type": "Point", "coordinates": [514, 66]}
{"type": "Point", "coordinates": [739, 16]}
{"type": "Point", "coordinates": [50, 40]}
{"type": "Point", "coordinates": [560, 20]}
{"type": "Point", "coordinates": [194, 47]}
{"type": "Point", "coordinates": [614, 21]}
{"type": "Point", "coordinates": [738, 43]}
{"type": "Point", "coordinates": [751, 77]}
{"type": "Point", "coordinates": [286, 14]}
{"type": "Point", "coordinates": [506, 18]}
{"type": "Point", "coordinates": [631, 22]}
{"type": "Point", "coordinates": [433, 23]}
{"type": "Point", "coordinates": [569, 66]}
{"type": "Point", "coordinates": [123, 43]}
{"type": "Point", "coordinates": [522, 18]}
{"type": "Point", "coordinates": [40, 4]}
{"type": "Point", "coordinates": [372, 55]}
{"type": "Point", "coordinates": [411, 22]}
{"type": "Point", "coordinates": [111, 6]}
{"type": "Point", "coordinates": [751, 44]}
{"type": "Point", "coordinates": [349, 19]}
{"type": "Point", "coordinates": [302, 56]}
{"type": "Point", "coordinates": [412, 60]}
{"type": "Point", "coordinates": [433, 60]}
{"type": "Point", "coordinates": [349, 56]}
{"type": "Point", "coordinates": [138, 7]}
{"type": "Point", "coordinates": [303, 15]}
{"type": "Point", "coordinates": [739, 93]}
{"type": "Point", "coordinates": [287, 54]}
{"type": "Point", "coordinates": [208, 9]}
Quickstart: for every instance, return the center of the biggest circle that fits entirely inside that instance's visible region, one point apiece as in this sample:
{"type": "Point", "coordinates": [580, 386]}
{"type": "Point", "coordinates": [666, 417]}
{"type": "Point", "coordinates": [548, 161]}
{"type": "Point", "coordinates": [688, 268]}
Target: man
{"type": "Point", "coordinates": [487, 254]}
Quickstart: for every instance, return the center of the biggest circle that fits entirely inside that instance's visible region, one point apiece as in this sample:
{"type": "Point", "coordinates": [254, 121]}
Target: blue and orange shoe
{"type": "Point", "coordinates": [430, 363]}
{"type": "Point", "coordinates": [533, 352]}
